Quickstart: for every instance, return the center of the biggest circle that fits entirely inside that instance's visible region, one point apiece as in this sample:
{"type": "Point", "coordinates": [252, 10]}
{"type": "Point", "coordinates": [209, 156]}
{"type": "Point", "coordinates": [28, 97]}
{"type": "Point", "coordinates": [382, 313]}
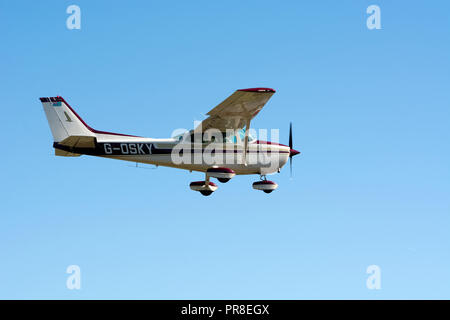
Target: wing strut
{"type": "Point", "coordinates": [244, 155]}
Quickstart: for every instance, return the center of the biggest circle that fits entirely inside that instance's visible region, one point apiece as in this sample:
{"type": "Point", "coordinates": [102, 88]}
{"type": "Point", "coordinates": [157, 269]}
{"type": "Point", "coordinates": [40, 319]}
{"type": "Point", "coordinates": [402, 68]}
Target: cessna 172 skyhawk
{"type": "Point", "coordinates": [218, 152]}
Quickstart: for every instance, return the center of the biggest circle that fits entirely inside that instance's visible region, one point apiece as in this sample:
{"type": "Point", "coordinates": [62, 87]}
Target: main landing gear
{"type": "Point", "coordinates": [207, 187]}
{"type": "Point", "coordinates": [222, 174]}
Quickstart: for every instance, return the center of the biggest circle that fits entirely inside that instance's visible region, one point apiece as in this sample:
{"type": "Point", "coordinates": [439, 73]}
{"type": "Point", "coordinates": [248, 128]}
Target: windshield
{"type": "Point", "coordinates": [240, 136]}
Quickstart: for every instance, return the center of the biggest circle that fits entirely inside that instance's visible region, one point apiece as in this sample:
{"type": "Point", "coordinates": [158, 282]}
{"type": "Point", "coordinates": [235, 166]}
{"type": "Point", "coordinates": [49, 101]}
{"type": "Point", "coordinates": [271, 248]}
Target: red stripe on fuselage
{"type": "Point", "coordinates": [269, 142]}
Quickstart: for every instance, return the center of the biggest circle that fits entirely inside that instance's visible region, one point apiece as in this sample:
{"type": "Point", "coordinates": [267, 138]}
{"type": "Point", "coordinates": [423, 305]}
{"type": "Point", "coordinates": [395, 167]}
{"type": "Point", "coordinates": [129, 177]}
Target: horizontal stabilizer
{"type": "Point", "coordinates": [63, 153]}
{"type": "Point", "coordinates": [79, 142]}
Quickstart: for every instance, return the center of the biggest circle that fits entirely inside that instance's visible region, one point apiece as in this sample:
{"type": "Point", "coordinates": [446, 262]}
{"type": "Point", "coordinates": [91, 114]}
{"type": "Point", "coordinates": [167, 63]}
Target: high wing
{"type": "Point", "coordinates": [237, 110]}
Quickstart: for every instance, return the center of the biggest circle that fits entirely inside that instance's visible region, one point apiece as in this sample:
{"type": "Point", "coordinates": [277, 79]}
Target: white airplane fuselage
{"type": "Point", "coordinates": [262, 157]}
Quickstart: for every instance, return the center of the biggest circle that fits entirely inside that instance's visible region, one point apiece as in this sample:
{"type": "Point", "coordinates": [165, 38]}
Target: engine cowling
{"type": "Point", "coordinates": [222, 174]}
{"type": "Point", "coordinates": [265, 185]}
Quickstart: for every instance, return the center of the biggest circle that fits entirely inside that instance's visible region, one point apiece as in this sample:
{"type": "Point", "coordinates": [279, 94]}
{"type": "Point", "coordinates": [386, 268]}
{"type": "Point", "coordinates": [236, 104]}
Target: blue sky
{"type": "Point", "coordinates": [370, 110]}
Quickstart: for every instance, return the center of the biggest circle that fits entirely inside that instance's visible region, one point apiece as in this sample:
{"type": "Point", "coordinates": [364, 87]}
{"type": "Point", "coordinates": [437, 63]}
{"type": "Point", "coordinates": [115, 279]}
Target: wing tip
{"type": "Point", "coordinates": [263, 90]}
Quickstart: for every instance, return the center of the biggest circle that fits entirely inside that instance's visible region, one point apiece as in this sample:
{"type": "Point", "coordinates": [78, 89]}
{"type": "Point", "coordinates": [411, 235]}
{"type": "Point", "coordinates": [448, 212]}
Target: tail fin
{"type": "Point", "coordinates": [64, 121]}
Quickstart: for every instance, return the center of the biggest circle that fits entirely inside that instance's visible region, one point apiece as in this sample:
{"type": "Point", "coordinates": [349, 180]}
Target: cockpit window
{"type": "Point", "coordinates": [179, 137]}
{"type": "Point", "coordinates": [228, 137]}
{"type": "Point", "coordinates": [238, 136]}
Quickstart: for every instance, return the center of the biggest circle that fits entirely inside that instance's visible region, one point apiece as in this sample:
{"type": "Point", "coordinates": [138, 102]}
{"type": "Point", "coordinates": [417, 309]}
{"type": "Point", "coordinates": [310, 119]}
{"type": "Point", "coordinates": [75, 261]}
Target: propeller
{"type": "Point", "coordinates": [292, 152]}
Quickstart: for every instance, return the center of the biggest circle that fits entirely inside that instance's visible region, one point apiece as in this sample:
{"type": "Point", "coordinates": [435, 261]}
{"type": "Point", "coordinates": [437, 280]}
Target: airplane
{"type": "Point", "coordinates": [215, 147]}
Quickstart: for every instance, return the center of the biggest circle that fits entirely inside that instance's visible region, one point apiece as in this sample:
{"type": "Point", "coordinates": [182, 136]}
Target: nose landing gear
{"type": "Point", "coordinates": [265, 185]}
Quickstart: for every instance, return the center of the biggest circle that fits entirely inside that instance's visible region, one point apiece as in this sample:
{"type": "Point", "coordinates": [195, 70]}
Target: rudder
{"type": "Point", "coordinates": [64, 122]}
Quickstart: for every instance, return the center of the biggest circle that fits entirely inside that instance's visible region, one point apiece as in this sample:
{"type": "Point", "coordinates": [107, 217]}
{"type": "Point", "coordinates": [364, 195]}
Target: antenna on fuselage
{"type": "Point", "coordinates": [138, 167]}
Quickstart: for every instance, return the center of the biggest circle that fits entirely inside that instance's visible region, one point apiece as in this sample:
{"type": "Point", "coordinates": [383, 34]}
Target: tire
{"type": "Point", "coordinates": [267, 191]}
{"type": "Point", "coordinates": [223, 180]}
{"type": "Point", "coordinates": [206, 192]}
